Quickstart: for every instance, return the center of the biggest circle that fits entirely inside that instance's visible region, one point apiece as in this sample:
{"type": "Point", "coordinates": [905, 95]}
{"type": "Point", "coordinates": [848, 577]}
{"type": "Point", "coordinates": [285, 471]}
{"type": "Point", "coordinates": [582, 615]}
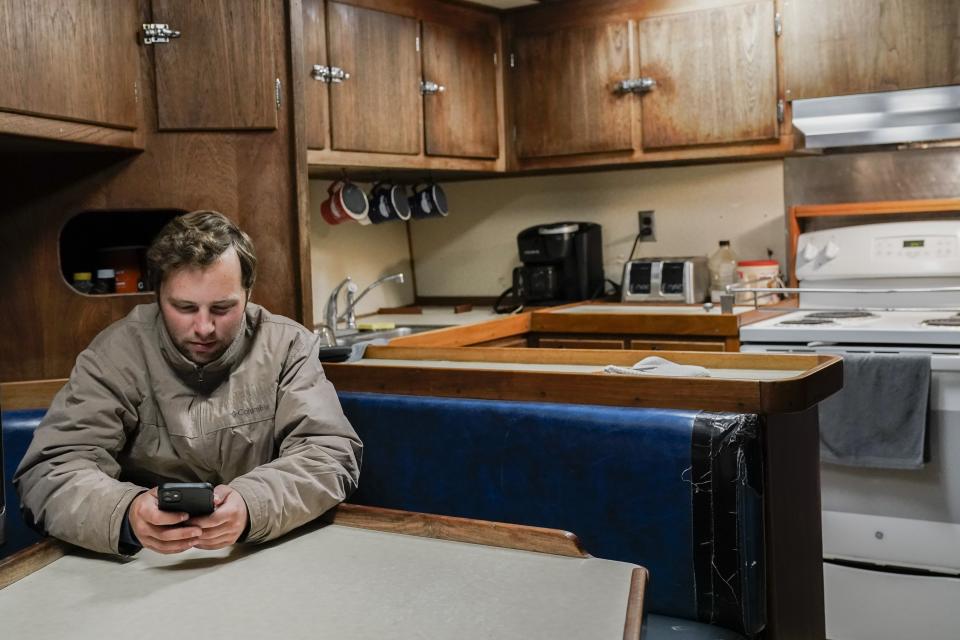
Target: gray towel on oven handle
{"type": "Point", "coordinates": [879, 418]}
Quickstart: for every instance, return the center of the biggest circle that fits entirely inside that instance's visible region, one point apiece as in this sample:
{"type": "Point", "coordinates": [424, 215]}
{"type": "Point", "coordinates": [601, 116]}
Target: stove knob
{"type": "Point", "coordinates": [831, 251]}
{"type": "Point", "coordinates": [809, 252]}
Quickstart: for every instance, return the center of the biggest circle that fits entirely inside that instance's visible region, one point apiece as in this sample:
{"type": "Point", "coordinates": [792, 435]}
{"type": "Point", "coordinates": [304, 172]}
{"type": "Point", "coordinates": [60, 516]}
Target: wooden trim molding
{"type": "Point", "coordinates": [19, 124]}
{"type": "Point", "coordinates": [32, 394]}
{"type": "Point", "coordinates": [26, 561]}
{"type": "Point", "coordinates": [494, 534]}
{"type": "Point", "coordinates": [638, 586]}
{"type": "Point", "coordinates": [821, 377]}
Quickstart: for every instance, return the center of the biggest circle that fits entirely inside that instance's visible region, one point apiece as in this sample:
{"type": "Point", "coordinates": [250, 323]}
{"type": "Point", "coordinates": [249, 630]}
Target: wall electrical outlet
{"type": "Point", "coordinates": [647, 226]}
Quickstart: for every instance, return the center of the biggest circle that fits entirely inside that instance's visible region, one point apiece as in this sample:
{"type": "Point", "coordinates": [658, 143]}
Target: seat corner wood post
{"type": "Point", "coordinates": [792, 522]}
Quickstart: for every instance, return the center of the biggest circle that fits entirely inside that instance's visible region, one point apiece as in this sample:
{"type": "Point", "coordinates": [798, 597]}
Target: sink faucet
{"type": "Point", "coordinates": [330, 310]}
{"type": "Point", "coordinates": [350, 312]}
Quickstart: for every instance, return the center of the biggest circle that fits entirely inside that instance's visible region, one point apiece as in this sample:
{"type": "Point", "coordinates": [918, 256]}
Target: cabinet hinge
{"type": "Point", "coordinates": [277, 90]}
{"type": "Point", "coordinates": [418, 44]}
{"type": "Point", "coordinates": [154, 33]}
{"type": "Point", "coordinates": [513, 61]}
{"type": "Point", "coordinates": [494, 58]}
{"type": "Point", "coordinates": [780, 108]}
{"type": "Point", "coordinates": [777, 24]}
{"type": "Point", "coordinates": [136, 91]}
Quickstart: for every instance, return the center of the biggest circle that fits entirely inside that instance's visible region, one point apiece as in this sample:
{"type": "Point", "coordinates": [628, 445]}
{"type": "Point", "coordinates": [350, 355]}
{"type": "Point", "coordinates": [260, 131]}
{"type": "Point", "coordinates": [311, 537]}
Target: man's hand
{"type": "Point", "coordinates": [224, 526]}
{"type": "Point", "coordinates": [159, 530]}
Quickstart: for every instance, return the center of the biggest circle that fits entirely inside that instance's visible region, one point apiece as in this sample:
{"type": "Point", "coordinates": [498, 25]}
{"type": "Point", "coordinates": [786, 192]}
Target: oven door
{"type": "Point", "coordinates": [891, 538]}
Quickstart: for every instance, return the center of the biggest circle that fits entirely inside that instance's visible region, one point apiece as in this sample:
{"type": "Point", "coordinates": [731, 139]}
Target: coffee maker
{"type": "Point", "coordinates": [562, 262]}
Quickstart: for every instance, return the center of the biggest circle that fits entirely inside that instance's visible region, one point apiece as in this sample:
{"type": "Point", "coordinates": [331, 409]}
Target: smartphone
{"type": "Point", "coordinates": [195, 498]}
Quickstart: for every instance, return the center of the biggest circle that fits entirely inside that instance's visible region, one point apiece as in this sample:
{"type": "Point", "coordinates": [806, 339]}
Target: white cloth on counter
{"type": "Point", "coordinates": [657, 366]}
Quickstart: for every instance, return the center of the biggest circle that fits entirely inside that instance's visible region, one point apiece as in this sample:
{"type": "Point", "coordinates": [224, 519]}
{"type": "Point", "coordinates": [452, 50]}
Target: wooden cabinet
{"type": "Point", "coordinates": [220, 74]}
{"type": "Point", "coordinates": [460, 119]}
{"type": "Point", "coordinates": [401, 83]}
{"type": "Point", "coordinates": [546, 342]}
{"type": "Point", "coordinates": [840, 47]}
{"type": "Point", "coordinates": [701, 82]}
{"type": "Point", "coordinates": [70, 60]}
{"type": "Point", "coordinates": [563, 90]}
{"type": "Point", "coordinates": [665, 344]}
{"type": "Point", "coordinates": [716, 76]}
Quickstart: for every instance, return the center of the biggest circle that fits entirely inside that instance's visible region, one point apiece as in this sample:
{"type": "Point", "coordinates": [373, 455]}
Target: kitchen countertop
{"type": "Point", "coordinates": [434, 317]}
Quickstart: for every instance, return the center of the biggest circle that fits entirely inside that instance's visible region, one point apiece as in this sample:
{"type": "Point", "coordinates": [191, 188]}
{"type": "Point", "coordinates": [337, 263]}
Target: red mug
{"type": "Point", "coordinates": [346, 201]}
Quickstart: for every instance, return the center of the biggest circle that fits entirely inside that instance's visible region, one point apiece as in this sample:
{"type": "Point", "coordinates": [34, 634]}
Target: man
{"type": "Point", "coordinates": [201, 386]}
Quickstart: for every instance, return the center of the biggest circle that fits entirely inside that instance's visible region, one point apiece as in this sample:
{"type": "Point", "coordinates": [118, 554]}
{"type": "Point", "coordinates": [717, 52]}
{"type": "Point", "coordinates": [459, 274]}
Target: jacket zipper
{"type": "Point", "coordinates": [200, 403]}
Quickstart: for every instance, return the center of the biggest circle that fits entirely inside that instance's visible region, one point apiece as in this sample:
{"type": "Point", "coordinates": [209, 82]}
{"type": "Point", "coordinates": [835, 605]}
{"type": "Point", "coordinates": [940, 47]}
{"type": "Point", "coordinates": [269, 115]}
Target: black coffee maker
{"type": "Point", "coordinates": [562, 262]}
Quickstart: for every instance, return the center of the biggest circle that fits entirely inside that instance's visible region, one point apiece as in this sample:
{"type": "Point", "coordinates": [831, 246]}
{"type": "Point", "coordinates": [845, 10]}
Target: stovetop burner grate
{"type": "Point", "coordinates": [808, 321]}
{"type": "Point", "coordinates": [840, 315]}
{"type": "Point", "coordinates": [943, 322]}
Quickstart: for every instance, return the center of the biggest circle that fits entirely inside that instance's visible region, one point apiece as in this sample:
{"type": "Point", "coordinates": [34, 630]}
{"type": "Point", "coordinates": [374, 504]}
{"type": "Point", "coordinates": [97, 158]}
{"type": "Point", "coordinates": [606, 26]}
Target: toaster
{"type": "Point", "coordinates": [684, 280]}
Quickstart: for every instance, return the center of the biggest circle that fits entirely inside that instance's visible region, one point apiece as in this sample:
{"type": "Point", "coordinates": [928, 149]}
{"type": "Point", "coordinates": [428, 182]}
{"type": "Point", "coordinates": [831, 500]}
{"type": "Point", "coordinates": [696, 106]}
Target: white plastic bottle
{"type": "Point", "coordinates": [723, 270]}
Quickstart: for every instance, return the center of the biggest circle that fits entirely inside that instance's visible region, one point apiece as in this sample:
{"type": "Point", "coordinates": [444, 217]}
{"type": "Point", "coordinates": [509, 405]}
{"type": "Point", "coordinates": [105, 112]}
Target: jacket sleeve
{"type": "Point", "coordinates": [67, 479]}
{"type": "Point", "coordinates": [319, 452]}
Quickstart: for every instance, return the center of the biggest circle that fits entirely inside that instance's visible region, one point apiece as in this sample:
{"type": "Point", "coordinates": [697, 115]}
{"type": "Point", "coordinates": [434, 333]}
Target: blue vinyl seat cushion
{"type": "Point", "coordinates": [16, 429]}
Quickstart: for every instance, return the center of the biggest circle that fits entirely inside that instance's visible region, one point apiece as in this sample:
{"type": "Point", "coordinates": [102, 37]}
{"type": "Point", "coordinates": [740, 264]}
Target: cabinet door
{"type": "Point", "coordinates": [716, 76]}
{"type": "Point", "coordinates": [378, 108]}
{"type": "Point", "coordinates": [840, 47]}
{"type": "Point", "coordinates": [461, 120]}
{"type": "Point", "coordinates": [563, 91]}
{"type": "Point", "coordinates": [70, 59]}
{"type": "Point", "coordinates": [220, 72]}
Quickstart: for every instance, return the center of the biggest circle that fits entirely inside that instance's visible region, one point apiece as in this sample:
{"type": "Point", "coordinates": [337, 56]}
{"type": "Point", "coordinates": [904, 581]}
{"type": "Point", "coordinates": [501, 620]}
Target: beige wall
{"type": "Point", "coordinates": [364, 253]}
{"type": "Point", "coordinates": [474, 250]}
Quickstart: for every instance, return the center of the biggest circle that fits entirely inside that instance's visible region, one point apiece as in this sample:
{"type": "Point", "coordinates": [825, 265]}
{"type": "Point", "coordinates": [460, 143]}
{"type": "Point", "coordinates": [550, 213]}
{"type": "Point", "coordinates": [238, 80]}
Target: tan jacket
{"type": "Point", "coordinates": [262, 418]}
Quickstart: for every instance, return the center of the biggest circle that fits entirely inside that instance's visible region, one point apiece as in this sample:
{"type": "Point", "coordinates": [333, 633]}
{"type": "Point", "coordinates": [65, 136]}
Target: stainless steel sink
{"type": "Point", "coordinates": [386, 334]}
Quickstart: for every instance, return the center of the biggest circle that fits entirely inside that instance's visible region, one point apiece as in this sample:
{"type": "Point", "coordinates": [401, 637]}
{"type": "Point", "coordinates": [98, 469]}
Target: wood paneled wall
{"type": "Point", "coordinates": [249, 176]}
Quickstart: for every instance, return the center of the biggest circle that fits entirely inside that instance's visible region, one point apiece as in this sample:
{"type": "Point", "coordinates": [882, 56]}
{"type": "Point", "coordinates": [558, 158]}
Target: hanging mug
{"type": "Point", "coordinates": [429, 201]}
{"type": "Point", "coordinates": [346, 202]}
{"type": "Point", "coordinates": [388, 202]}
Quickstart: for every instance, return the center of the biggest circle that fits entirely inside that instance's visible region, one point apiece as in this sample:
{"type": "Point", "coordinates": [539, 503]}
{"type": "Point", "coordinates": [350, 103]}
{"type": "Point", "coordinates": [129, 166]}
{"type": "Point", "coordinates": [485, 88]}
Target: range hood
{"type": "Point", "coordinates": [914, 115]}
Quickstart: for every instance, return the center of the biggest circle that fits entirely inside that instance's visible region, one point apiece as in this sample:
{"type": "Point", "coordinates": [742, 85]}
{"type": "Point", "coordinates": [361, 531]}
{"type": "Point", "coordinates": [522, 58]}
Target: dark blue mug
{"type": "Point", "coordinates": [388, 202]}
{"type": "Point", "coordinates": [429, 201]}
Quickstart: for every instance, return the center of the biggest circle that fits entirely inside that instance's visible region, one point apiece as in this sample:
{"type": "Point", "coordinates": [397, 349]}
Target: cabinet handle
{"type": "Point", "coordinates": [321, 73]}
{"type": "Point", "coordinates": [635, 85]}
{"type": "Point", "coordinates": [327, 74]}
{"type": "Point", "coordinates": [429, 88]}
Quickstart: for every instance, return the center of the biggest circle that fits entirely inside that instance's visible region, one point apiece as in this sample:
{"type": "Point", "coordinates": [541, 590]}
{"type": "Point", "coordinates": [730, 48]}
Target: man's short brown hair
{"type": "Point", "coordinates": [198, 239]}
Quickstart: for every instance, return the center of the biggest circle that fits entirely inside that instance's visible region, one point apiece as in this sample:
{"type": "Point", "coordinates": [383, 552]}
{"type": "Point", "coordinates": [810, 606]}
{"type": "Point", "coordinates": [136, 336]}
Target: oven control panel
{"type": "Point", "coordinates": [915, 247]}
{"type": "Point", "coordinates": [886, 250]}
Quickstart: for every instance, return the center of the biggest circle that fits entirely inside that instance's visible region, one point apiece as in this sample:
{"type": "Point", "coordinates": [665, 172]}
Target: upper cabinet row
{"type": "Point", "coordinates": [436, 85]}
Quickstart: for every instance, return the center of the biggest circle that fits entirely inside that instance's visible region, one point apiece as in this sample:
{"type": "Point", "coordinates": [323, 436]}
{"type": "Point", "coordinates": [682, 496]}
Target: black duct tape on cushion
{"type": "Point", "coordinates": [727, 496]}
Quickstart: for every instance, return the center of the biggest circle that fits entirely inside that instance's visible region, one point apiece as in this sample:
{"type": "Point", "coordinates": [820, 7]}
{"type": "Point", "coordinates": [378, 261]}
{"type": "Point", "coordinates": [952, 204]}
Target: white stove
{"type": "Point", "coordinates": [891, 538]}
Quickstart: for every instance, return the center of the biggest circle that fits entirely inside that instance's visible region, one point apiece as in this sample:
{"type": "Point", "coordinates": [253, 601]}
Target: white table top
{"type": "Point", "coordinates": [329, 582]}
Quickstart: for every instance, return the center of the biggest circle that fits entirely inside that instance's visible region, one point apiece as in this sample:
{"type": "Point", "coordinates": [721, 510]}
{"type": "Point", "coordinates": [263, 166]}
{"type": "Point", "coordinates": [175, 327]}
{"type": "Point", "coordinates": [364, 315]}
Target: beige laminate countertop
{"type": "Point", "coordinates": [434, 316]}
